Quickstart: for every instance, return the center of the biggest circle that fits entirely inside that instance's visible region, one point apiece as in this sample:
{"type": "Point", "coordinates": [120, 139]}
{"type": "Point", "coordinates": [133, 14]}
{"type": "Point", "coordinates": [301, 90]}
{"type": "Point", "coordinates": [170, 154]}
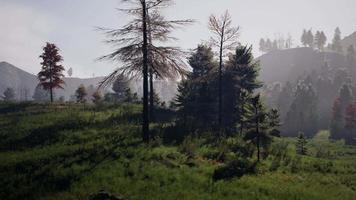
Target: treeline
{"type": "Point", "coordinates": [317, 40]}
{"type": "Point", "coordinates": [267, 44]}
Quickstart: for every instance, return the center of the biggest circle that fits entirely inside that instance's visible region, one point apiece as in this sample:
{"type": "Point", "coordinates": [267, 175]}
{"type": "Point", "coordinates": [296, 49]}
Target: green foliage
{"type": "Point", "coordinates": [301, 144]}
{"type": "Point", "coordinates": [196, 99]}
{"type": "Point", "coordinates": [81, 94]}
{"type": "Point", "coordinates": [302, 115]}
{"type": "Point", "coordinates": [61, 151]}
{"type": "Point", "coordinates": [236, 168]}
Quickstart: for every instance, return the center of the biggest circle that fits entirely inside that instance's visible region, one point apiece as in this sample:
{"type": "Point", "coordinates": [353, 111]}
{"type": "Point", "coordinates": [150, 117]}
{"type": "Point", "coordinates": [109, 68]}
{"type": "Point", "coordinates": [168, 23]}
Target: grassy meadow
{"type": "Point", "coordinates": [69, 151]}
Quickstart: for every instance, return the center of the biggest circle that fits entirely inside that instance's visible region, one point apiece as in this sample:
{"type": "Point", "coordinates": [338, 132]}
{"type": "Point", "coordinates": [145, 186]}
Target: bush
{"type": "Point", "coordinates": [189, 147]}
{"type": "Point", "coordinates": [236, 168]}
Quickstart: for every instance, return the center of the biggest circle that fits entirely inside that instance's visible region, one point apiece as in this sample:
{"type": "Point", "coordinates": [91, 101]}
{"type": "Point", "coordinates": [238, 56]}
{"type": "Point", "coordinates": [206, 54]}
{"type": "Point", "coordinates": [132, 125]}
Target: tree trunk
{"type": "Point", "coordinates": [258, 135]}
{"type": "Point", "coordinates": [151, 115]}
{"type": "Point", "coordinates": [241, 115]}
{"type": "Point", "coordinates": [220, 73]}
{"type": "Point", "coordinates": [220, 82]}
{"type": "Point", "coordinates": [145, 123]}
{"type": "Point", "coordinates": [50, 83]}
{"type": "Point", "coordinates": [151, 95]}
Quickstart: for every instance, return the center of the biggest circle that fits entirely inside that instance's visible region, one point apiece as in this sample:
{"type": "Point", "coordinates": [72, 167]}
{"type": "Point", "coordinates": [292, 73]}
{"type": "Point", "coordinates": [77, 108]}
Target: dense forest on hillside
{"type": "Point", "coordinates": [213, 122]}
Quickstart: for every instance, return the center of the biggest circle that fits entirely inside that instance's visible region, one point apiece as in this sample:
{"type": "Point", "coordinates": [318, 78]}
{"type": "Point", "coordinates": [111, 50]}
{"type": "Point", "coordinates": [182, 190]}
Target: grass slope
{"type": "Point", "coordinates": [72, 151]}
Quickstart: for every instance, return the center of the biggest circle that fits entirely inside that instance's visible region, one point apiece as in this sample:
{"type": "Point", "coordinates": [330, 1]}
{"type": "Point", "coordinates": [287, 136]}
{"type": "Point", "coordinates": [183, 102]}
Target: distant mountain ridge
{"type": "Point", "coordinates": [290, 64]}
{"type": "Point", "coordinates": [349, 40]}
{"type": "Point", "coordinates": [24, 83]}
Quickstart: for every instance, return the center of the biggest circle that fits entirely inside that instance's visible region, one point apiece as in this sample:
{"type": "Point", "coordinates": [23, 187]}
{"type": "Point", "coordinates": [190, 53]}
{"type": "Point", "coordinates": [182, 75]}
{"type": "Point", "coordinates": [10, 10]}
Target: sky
{"type": "Point", "coordinates": [26, 25]}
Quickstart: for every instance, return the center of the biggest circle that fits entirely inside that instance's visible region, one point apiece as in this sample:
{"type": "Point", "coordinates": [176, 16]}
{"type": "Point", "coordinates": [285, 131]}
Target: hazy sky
{"type": "Point", "coordinates": [27, 24]}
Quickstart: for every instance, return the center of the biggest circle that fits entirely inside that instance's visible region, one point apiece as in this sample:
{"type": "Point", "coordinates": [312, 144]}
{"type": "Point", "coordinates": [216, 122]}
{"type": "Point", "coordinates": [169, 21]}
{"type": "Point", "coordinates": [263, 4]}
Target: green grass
{"type": "Point", "coordinates": [72, 151]}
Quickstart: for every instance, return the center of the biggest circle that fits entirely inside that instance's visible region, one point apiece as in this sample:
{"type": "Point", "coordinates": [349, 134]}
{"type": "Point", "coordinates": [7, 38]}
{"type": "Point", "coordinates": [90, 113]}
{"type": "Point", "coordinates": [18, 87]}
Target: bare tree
{"type": "Point", "coordinates": [136, 52]}
{"type": "Point", "coordinates": [225, 38]}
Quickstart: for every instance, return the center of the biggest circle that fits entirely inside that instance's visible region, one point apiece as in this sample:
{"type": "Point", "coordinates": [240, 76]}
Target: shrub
{"type": "Point", "coordinates": [236, 168]}
{"type": "Point", "coordinates": [189, 146]}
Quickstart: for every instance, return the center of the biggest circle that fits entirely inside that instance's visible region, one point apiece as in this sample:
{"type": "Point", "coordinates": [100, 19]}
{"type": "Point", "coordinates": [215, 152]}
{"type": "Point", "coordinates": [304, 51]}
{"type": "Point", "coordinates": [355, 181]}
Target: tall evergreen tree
{"type": "Point", "coordinates": [262, 45]}
{"type": "Point", "coordinates": [303, 114]}
{"type": "Point", "coordinates": [120, 85]}
{"type": "Point", "coordinates": [301, 144]}
{"type": "Point", "coordinates": [289, 42]}
{"type": "Point", "coordinates": [323, 40]}
{"type": "Point", "coordinates": [284, 99]}
{"type": "Point", "coordinates": [274, 122]}
{"type": "Point", "coordinates": [350, 123]}
{"type": "Point", "coordinates": [196, 97]}
{"type": "Point", "coordinates": [51, 74]}
{"type": "Point", "coordinates": [70, 72]}
{"type": "Point", "coordinates": [351, 58]}
{"type": "Point", "coordinates": [310, 39]}
{"type": "Point", "coordinates": [345, 96]}
{"type": "Point", "coordinates": [240, 81]}
{"type": "Point", "coordinates": [336, 124]}
{"type": "Point", "coordinates": [225, 36]}
{"type": "Point", "coordinates": [336, 42]}
{"type": "Point", "coordinates": [268, 45]}
{"type": "Point", "coordinates": [320, 40]}
{"type": "Point", "coordinates": [304, 38]}
{"type": "Point", "coordinates": [258, 127]}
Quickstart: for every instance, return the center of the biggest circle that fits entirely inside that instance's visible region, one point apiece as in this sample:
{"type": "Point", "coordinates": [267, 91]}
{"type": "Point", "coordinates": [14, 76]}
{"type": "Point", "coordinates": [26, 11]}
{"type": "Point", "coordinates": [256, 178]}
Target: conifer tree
{"type": "Point", "coordinates": [40, 94]}
{"type": "Point", "coordinates": [196, 97]}
{"type": "Point", "coordinates": [336, 125]}
{"type": "Point", "coordinates": [323, 40]}
{"type": "Point", "coordinates": [274, 122]}
{"type": "Point", "coordinates": [262, 45]}
{"type": "Point", "coordinates": [350, 123]}
{"type": "Point", "coordinates": [81, 94]}
{"type": "Point", "coordinates": [268, 45]}
{"type": "Point", "coordinates": [310, 39]}
{"type": "Point", "coordinates": [304, 38]}
{"type": "Point", "coordinates": [336, 42]}
{"type": "Point", "coordinates": [258, 127]}
{"type": "Point", "coordinates": [302, 114]}
{"type": "Point", "coordinates": [70, 72]}
{"type": "Point", "coordinates": [351, 57]}
{"type": "Point", "coordinates": [301, 144]}
{"type": "Point", "coordinates": [240, 82]}
{"type": "Point", "coordinates": [51, 74]}
{"type": "Point", "coordinates": [120, 85]}
{"type": "Point", "coordinates": [320, 40]}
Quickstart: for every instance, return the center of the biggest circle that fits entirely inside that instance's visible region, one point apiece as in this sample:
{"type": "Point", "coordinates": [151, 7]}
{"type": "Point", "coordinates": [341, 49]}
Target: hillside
{"type": "Point", "coordinates": [349, 40]}
{"type": "Point", "coordinates": [50, 152]}
{"type": "Point", "coordinates": [25, 83]}
{"type": "Point", "coordinates": [288, 65]}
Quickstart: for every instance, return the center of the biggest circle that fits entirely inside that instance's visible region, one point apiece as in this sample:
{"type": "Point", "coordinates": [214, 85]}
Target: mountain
{"type": "Point", "coordinates": [349, 40]}
{"type": "Point", "coordinates": [25, 83]}
{"type": "Point", "coordinates": [290, 64]}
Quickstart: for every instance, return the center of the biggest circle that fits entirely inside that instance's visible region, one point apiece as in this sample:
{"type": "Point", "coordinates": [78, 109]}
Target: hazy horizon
{"type": "Point", "coordinates": [27, 25]}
